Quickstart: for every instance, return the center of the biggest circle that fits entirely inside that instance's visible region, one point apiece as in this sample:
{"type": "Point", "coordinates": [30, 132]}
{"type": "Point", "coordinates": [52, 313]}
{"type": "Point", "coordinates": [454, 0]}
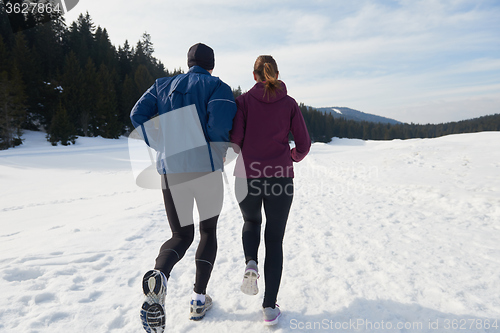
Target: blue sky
{"type": "Point", "coordinates": [426, 61]}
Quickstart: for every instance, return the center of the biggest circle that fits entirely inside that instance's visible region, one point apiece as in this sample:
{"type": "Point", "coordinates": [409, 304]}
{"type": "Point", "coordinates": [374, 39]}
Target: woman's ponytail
{"type": "Point", "coordinates": [267, 70]}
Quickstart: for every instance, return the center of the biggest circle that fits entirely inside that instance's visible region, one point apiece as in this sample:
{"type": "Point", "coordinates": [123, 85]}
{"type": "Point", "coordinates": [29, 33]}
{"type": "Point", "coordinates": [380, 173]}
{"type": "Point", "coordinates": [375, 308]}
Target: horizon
{"type": "Point", "coordinates": [422, 62]}
{"type": "Point", "coordinates": [453, 121]}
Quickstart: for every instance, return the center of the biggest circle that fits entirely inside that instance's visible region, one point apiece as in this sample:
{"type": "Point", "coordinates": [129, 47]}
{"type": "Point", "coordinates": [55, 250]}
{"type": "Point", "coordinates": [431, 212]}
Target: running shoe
{"type": "Point", "coordinates": [271, 315]}
{"type": "Point", "coordinates": [249, 283]}
{"type": "Point", "coordinates": [199, 309]}
{"type": "Point", "coordinates": [154, 286]}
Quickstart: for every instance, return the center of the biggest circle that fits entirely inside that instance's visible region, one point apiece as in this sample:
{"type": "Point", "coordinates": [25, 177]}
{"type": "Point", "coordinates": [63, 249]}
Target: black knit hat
{"type": "Point", "coordinates": [201, 55]}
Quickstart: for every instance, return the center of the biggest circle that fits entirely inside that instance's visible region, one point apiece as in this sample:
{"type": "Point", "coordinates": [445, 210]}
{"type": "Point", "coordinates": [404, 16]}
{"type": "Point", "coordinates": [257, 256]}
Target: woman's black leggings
{"type": "Point", "coordinates": [276, 194]}
{"type": "Point", "coordinates": [184, 189]}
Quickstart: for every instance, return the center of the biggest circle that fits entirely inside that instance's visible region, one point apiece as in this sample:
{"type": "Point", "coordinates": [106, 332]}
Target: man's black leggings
{"type": "Point", "coordinates": [208, 194]}
{"type": "Point", "coordinates": [276, 194]}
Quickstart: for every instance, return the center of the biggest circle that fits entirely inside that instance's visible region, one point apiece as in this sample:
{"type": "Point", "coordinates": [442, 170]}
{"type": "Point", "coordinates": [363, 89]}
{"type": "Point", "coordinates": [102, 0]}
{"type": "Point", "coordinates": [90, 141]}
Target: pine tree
{"type": "Point", "coordinates": [89, 92]}
{"type": "Point", "coordinates": [124, 60]}
{"type": "Point", "coordinates": [61, 129]}
{"type": "Point", "coordinates": [143, 55]}
{"type": "Point", "coordinates": [82, 38]}
{"type": "Point", "coordinates": [4, 59]}
{"type": "Point", "coordinates": [5, 129]}
{"type": "Point", "coordinates": [105, 120]}
{"type": "Point", "coordinates": [129, 97]}
{"type": "Point", "coordinates": [16, 18]}
{"type": "Point", "coordinates": [23, 59]}
{"type": "Point", "coordinates": [19, 104]}
{"type": "Point", "coordinates": [143, 79]}
{"type": "Point", "coordinates": [50, 94]}
{"type": "Point", "coordinates": [5, 28]}
{"type": "Point", "coordinates": [49, 43]}
{"type": "Point", "coordinates": [12, 108]}
{"type": "Point", "coordinates": [105, 52]}
{"type": "Point", "coordinates": [237, 92]}
{"type": "Point", "coordinates": [72, 96]}
{"type": "Point", "coordinates": [147, 45]}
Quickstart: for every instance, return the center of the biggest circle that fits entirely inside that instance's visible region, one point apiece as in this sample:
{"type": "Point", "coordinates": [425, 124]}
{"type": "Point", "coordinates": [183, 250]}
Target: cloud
{"type": "Point", "coordinates": [374, 55]}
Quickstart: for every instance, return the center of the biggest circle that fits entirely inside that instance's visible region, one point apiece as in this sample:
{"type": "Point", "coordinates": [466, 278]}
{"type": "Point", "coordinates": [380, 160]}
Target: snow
{"type": "Point", "coordinates": [337, 110]}
{"type": "Point", "coordinates": [387, 236]}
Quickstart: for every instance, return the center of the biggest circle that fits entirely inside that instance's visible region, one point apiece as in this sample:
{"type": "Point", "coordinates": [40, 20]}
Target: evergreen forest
{"type": "Point", "coordinates": [69, 80]}
{"type": "Point", "coordinates": [323, 127]}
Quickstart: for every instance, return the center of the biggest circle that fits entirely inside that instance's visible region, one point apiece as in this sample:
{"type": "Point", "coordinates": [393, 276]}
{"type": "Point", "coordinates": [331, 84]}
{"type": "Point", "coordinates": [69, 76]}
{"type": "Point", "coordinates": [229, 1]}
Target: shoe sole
{"type": "Point", "coordinates": [152, 312]}
{"type": "Point", "coordinates": [153, 318]}
{"type": "Point", "coordinates": [272, 322]}
{"type": "Point", "coordinates": [152, 283]}
{"type": "Point", "coordinates": [249, 284]}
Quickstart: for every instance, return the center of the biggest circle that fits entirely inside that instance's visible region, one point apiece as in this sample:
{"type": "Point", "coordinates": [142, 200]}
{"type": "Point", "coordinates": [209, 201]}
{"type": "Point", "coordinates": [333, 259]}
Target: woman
{"type": "Point", "coordinates": [264, 172]}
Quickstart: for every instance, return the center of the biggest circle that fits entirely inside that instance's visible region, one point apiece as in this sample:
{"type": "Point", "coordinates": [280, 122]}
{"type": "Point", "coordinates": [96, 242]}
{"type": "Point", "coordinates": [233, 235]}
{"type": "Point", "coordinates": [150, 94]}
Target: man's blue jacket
{"type": "Point", "coordinates": [186, 143]}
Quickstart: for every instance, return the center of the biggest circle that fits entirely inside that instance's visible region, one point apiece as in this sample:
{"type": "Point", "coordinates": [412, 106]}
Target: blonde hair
{"type": "Point", "coordinates": [266, 69]}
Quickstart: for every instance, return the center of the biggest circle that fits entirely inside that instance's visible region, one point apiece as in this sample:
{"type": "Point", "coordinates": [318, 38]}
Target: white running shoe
{"type": "Point", "coordinates": [271, 315]}
{"type": "Point", "coordinates": [199, 309]}
{"type": "Point", "coordinates": [154, 286]}
{"type": "Point", "coordinates": [249, 283]}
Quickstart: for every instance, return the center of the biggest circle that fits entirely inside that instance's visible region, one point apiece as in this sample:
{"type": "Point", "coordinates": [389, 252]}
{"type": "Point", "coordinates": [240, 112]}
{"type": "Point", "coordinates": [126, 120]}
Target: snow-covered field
{"type": "Point", "coordinates": [398, 236]}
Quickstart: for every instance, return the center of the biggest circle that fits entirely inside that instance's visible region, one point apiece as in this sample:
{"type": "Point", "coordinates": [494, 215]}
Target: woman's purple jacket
{"type": "Point", "coordinates": [260, 130]}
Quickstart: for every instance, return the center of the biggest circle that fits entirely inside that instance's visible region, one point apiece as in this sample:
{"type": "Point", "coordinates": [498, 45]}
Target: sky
{"type": "Point", "coordinates": [420, 61]}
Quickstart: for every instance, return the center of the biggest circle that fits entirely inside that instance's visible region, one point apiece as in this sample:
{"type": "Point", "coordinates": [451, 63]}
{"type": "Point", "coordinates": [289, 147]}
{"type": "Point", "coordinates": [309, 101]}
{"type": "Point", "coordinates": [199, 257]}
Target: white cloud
{"type": "Point", "coordinates": [376, 56]}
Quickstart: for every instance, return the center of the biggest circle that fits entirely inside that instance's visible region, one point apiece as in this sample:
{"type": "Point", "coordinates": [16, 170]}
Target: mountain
{"type": "Point", "coordinates": [351, 114]}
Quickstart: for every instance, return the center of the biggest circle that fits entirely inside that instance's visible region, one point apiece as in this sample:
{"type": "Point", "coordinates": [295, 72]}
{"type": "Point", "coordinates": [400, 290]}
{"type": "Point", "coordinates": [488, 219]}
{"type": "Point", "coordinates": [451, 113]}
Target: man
{"type": "Point", "coordinates": [191, 135]}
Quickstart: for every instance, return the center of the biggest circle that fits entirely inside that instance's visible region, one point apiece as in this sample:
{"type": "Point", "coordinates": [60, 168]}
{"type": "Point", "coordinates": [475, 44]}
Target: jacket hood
{"type": "Point", "coordinates": [258, 91]}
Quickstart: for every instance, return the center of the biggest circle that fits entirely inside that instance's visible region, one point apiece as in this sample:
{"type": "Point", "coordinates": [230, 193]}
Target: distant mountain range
{"type": "Point", "coordinates": [351, 114]}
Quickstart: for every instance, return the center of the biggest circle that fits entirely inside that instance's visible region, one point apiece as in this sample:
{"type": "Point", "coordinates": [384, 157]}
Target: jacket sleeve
{"type": "Point", "coordinates": [145, 109]}
{"type": "Point", "coordinates": [300, 134]}
{"type": "Point", "coordinates": [239, 125]}
{"type": "Point", "coordinates": [220, 110]}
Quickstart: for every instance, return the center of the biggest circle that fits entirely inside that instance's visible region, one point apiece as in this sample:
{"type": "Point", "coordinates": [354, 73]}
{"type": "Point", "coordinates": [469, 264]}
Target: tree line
{"type": "Point", "coordinates": [69, 80]}
{"type": "Point", "coordinates": [323, 127]}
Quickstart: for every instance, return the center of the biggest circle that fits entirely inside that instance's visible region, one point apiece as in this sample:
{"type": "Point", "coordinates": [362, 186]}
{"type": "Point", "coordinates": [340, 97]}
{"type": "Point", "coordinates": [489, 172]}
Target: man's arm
{"type": "Point", "coordinates": [221, 110]}
{"type": "Point", "coordinates": [145, 109]}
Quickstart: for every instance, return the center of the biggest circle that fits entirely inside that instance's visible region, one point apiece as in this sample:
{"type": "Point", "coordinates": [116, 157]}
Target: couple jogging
{"type": "Point", "coordinates": [191, 120]}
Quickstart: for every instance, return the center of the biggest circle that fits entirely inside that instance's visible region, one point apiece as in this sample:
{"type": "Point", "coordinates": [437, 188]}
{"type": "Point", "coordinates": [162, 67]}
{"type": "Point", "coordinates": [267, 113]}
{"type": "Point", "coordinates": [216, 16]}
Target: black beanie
{"type": "Point", "coordinates": [201, 55]}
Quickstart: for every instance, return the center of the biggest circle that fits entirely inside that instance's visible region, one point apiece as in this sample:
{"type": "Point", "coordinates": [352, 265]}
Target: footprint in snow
{"type": "Point", "coordinates": [22, 274]}
{"type": "Point", "coordinates": [45, 298]}
{"type": "Point", "coordinates": [92, 297]}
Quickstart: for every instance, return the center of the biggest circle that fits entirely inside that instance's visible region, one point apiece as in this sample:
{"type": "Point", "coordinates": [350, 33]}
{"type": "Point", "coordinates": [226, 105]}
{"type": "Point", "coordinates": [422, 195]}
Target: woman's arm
{"type": "Point", "coordinates": [300, 134]}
